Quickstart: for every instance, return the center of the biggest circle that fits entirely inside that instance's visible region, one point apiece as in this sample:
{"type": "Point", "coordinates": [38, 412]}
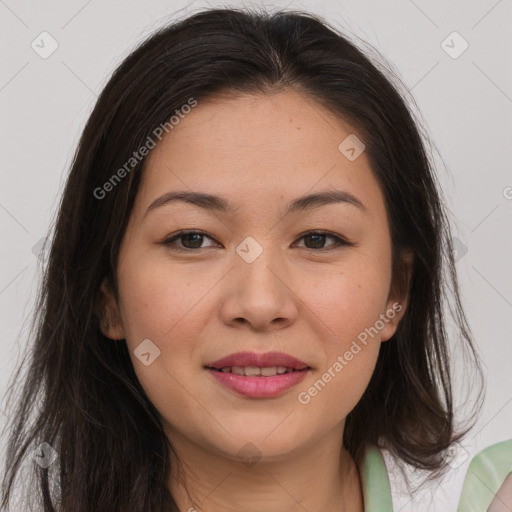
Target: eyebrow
{"type": "Point", "coordinates": [217, 203]}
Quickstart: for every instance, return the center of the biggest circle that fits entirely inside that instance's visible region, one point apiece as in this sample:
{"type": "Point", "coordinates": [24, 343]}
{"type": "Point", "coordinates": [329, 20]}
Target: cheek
{"type": "Point", "coordinates": [164, 304]}
{"type": "Point", "coordinates": [161, 300]}
{"type": "Point", "coordinates": [350, 350]}
{"type": "Point", "coordinates": [349, 299]}
{"type": "Point", "coordinates": [348, 306]}
{"type": "Point", "coordinates": [339, 386]}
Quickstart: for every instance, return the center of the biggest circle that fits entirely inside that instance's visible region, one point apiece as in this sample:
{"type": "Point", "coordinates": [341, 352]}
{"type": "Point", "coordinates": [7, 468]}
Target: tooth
{"type": "Point", "coordinates": [238, 370]}
{"type": "Point", "coordinates": [226, 369]}
{"type": "Point", "coordinates": [269, 371]}
{"type": "Point", "coordinates": [281, 369]}
{"type": "Point", "coordinates": [252, 371]}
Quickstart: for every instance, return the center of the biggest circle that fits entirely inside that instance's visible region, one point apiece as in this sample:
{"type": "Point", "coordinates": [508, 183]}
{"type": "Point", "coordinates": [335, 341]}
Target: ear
{"type": "Point", "coordinates": [108, 312]}
{"type": "Point", "coordinates": [398, 298]}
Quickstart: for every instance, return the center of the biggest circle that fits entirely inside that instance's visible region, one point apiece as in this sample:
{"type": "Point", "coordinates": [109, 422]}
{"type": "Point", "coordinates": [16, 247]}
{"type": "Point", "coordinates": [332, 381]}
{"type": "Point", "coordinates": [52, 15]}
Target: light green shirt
{"type": "Point", "coordinates": [486, 474]}
{"type": "Point", "coordinates": [375, 482]}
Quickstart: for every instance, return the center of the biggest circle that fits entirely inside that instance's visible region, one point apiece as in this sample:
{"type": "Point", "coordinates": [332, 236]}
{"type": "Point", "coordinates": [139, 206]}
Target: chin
{"type": "Point", "coordinates": [258, 446]}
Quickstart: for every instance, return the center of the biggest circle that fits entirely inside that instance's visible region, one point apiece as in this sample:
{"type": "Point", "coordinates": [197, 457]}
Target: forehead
{"type": "Point", "coordinates": [255, 148]}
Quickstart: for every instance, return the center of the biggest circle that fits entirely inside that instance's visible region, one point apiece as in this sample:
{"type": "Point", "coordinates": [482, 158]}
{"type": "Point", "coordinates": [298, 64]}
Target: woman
{"type": "Point", "coordinates": [244, 299]}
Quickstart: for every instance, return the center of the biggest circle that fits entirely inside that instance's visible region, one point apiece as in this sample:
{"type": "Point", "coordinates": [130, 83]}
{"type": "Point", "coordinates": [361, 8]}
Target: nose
{"type": "Point", "coordinates": [260, 293]}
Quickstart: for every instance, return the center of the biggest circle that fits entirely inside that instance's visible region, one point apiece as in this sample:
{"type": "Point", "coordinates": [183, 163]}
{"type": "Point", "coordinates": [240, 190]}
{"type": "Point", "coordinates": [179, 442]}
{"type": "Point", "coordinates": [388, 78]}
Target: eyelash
{"type": "Point", "coordinates": [339, 241]}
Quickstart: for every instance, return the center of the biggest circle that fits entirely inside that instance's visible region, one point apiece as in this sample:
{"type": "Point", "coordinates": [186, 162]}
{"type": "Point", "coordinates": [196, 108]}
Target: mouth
{"type": "Point", "coordinates": [258, 364]}
{"type": "Point", "coordinates": [256, 371]}
{"type": "Point", "coordinates": [258, 375]}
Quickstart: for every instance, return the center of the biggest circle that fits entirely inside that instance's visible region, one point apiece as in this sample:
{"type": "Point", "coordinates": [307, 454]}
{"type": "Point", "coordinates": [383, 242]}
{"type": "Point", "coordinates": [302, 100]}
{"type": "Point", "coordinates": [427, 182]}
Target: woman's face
{"type": "Point", "coordinates": [254, 279]}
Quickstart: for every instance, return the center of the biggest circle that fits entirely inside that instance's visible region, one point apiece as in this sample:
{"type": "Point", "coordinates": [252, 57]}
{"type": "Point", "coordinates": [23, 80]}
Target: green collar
{"type": "Point", "coordinates": [375, 482]}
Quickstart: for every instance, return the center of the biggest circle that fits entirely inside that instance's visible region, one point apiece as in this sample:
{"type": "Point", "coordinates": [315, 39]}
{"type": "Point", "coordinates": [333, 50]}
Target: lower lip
{"type": "Point", "coordinates": [259, 387]}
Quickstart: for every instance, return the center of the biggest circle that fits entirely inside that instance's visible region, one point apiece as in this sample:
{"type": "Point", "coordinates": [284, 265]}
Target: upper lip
{"type": "Point", "coordinates": [259, 360]}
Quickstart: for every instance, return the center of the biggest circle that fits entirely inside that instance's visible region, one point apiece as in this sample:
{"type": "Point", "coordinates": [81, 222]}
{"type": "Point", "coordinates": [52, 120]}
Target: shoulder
{"type": "Point", "coordinates": [488, 480]}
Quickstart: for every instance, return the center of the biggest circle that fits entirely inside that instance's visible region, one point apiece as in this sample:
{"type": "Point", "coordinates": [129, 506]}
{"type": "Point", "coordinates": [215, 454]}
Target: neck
{"type": "Point", "coordinates": [322, 476]}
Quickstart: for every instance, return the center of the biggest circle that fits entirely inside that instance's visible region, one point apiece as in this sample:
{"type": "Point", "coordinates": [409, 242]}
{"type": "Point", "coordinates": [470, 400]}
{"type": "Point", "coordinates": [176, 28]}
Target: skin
{"type": "Point", "coordinates": [258, 152]}
{"type": "Point", "coordinates": [503, 500]}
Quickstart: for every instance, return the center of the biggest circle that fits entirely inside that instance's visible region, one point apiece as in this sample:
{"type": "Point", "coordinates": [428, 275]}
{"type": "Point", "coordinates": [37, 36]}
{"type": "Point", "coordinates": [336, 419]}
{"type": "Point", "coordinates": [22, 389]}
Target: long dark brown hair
{"type": "Point", "coordinates": [79, 392]}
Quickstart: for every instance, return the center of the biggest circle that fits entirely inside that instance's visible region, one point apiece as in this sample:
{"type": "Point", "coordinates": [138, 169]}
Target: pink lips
{"type": "Point", "coordinates": [260, 360]}
{"type": "Point", "coordinates": [259, 386]}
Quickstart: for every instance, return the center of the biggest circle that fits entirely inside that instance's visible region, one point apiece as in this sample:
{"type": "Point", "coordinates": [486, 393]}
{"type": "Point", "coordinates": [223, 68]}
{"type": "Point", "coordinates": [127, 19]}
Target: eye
{"type": "Point", "coordinates": [189, 240]}
{"type": "Point", "coordinates": [315, 240]}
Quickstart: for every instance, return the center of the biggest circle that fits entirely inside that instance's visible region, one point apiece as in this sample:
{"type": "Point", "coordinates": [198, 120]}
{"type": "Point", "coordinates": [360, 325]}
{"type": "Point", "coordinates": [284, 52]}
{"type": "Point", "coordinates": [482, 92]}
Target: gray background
{"type": "Point", "coordinates": [465, 104]}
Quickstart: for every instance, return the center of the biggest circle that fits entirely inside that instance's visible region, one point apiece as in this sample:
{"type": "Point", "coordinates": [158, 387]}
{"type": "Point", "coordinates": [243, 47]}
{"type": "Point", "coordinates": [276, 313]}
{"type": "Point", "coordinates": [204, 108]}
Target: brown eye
{"type": "Point", "coordinates": [316, 240]}
{"type": "Point", "coordinates": [190, 240]}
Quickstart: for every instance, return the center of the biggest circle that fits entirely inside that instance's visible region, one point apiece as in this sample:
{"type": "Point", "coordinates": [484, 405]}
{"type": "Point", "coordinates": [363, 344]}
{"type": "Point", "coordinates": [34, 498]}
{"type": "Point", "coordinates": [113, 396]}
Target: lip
{"type": "Point", "coordinates": [260, 360]}
{"type": "Point", "coordinates": [259, 387]}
